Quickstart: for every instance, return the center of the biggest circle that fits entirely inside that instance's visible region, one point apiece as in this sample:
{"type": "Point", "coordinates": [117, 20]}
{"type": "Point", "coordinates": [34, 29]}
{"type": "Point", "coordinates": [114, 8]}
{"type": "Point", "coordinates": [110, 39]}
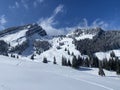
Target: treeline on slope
{"type": "Point", "coordinates": [107, 40]}
{"type": "Point", "coordinates": [113, 64]}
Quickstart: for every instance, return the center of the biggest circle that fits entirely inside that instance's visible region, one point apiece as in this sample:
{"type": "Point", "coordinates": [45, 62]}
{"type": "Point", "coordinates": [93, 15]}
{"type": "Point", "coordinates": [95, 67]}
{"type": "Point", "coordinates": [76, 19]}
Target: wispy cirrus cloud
{"type": "Point", "coordinates": [3, 21]}
{"type": "Point", "coordinates": [58, 9]}
{"type": "Point", "coordinates": [16, 5]}
{"type": "Point", "coordinates": [37, 2]}
{"type": "Point", "coordinates": [25, 4]}
{"type": "Point", "coordinates": [49, 22]}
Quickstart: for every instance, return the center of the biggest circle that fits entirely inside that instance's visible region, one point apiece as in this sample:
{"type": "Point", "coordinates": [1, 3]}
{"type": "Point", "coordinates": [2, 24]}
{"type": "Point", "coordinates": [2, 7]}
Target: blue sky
{"type": "Point", "coordinates": [60, 15]}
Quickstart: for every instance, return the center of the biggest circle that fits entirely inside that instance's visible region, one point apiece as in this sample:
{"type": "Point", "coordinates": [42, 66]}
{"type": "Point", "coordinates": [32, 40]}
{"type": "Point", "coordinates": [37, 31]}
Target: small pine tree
{"type": "Point", "coordinates": [45, 60]}
{"type": "Point", "coordinates": [54, 62]}
{"type": "Point", "coordinates": [65, 49]}
{"type": "Point", "coordinates": [118, 67]}
{"type": "Point", "coordinates": [95, 62]}
{"type": "Point", "coordinates": [105, 63]}
{"type": "Point", "coordinates": [32, 57]}
{"type": "Point", "coordinates": [87, 62]}
{"type": "Point", "coordinates": [75, 63]}
{"type": "Point", "coordinates": [17, 56]}
{"type": "Point", "coordinates": [11, 55]}
{"type": "Point", "coordinates": [9, 44]}
{"type": "Point", "coordinates": [64, 61]}
{"type": "Point", "coordinates": [68, 52]}
{"type": "Point", "coordinates": [101, 72]}
{"type": "Point", "coordinates": [112, 54]}
{"type": "Point", "coordinates": [72, 54]}
{"type": "Point", "coordinates": [80, 61]}
{"type": "Point", "coordinates": [69, 63]}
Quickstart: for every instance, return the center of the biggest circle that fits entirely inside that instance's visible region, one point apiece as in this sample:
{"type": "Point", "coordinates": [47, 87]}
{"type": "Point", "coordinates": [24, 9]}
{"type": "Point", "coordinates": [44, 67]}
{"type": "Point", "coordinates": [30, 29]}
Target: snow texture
{"type": "Point", "coordinates": [29, 75]}
{"type": "Point", "coordinates": [103, 55]}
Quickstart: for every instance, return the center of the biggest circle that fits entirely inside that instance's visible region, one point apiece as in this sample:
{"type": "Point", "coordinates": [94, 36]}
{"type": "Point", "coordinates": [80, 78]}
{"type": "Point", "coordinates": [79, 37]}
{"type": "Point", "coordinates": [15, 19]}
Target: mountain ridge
{"type": "Point", "coordinates": [30, 39]}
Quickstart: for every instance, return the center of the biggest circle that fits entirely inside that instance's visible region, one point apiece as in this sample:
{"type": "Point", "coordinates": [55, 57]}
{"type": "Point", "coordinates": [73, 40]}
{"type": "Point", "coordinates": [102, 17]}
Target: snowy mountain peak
{"type": "Point", "coordinates": [21, 38]}
{"type": "Point", "coordinates": [17, 35]}
{"type": "Point", "coordinates": [85, 33]}
{"type": "Point", "coordinates": [30, 28]}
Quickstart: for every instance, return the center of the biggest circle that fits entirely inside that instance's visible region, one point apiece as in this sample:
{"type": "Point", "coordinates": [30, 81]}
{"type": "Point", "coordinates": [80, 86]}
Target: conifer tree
{"type": "Point", "coordinates": [101, 72]}
{"type": "Point", "coordinates": [68, 52]}
{"type": "Point", "coordinates": [54, 62]}
{"type": "Point", "coordinates": [75, 62]}
{"type": "Point", "coordinates": [64, 61]}
{"type": "Point", "coordinates": [118, 67]}
{"type": "Point", "coordinates": [45, 60]}
{"type": "Point", "coordinates": [69, 63]}
{"type": "Point", "coordinates": [32, 57]}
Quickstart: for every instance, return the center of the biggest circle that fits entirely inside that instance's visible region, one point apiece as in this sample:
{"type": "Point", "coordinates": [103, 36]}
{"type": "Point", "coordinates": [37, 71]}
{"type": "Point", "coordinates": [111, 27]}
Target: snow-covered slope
{"type": "Point", "coordinates": [15, 38]}
{"type": "Point", "coordinates": [58, 50]}
{"type": "Point", "coordinates": [103, 55]}
{"type": "Point", "coordinates": [81, 34]}
{"type": "Point", "coordinates": [29, 75]}
{"type": "Point", "coordinates": [17, 35]}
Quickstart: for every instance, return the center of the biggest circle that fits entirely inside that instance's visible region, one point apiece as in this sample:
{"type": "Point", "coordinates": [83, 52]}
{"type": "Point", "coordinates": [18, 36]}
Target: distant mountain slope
{"type": "Point", "coordinates": [101, 41]}
{"type": "Point", "coordinates": [22, 37]}
{"type": "Point", "coordinates": [32, 40]}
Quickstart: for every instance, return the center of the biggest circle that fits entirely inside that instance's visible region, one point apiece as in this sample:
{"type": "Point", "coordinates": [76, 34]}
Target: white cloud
{"type": "Point", "coordinates": [99, 23]}
{"type": "Point", "coordinates": [3, 21]}
{"type": "Point", "coordinates": [58, 9]}
{"type": "Point", "coordinates": [48, 23]}
{"type": "Point", "coordinates": [37, 2]}
{"type": "Point", "coordinates": [17, 4]}
{"type": "Point", "coordinates": [40, 1]}
{"type": "Point", "coordinates": [24, 3]}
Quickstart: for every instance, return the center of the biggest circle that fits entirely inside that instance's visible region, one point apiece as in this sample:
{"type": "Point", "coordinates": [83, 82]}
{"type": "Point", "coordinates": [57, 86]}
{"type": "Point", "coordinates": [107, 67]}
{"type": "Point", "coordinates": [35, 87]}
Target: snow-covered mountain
{"type": "Point", "coordinates": [29, 45]}
{"type": "Point", "coordinates": [32, 40]}
{"type": "Point", "coordinates": [22, 37]}
{"type": "Point", "coordinates": [20, 34]}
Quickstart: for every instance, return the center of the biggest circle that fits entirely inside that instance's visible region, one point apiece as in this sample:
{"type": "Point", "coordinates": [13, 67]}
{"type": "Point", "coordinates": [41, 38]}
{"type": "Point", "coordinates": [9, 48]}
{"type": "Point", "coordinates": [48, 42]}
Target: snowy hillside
{"type": "Point", "coordinates": [58, 50]}
{"type": "Point", "coordinates": [103, 55]}
{"type": "Point", "coordinates": [15, 38]}
{"type": "Point", "coordinates": [17, 35]}
{"type": "Point", "coordinates": [29, 75]}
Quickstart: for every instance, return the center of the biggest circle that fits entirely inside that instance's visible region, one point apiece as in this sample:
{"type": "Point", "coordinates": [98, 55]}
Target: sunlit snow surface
{"type": "Point", "coordinates": [15, 38]}
{"type": "Point", "coordinates": [29, 75]}
{"type": "Point", "coordinates": [58, 53]}
{"type": "Point", "coordinates": [85, 36]}
{"type": "Point", "coordinates": [103, 55]}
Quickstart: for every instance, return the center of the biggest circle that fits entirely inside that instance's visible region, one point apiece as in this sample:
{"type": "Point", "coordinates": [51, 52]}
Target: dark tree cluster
{"type": "Point", "coordinates": [113, 64]}
{"type": "Point", "coordinates": [64, 61]}
{"type": "Point", "coordinates": [103, 41]}
{"type": "Point", "coordinates": [3, 47]}
{"type": "Point", "coordinates": [76, 62]}
{"type": "Point", "coordinates": [13, 56]}
{"type": "Point", "coordinates": [20, 47]}
{"type": "Point", "coordinates": [41, 46]}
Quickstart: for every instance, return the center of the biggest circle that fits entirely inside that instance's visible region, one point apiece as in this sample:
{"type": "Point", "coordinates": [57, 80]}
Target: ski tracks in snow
{"type": "Point", "coordinates": [76, 77]}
